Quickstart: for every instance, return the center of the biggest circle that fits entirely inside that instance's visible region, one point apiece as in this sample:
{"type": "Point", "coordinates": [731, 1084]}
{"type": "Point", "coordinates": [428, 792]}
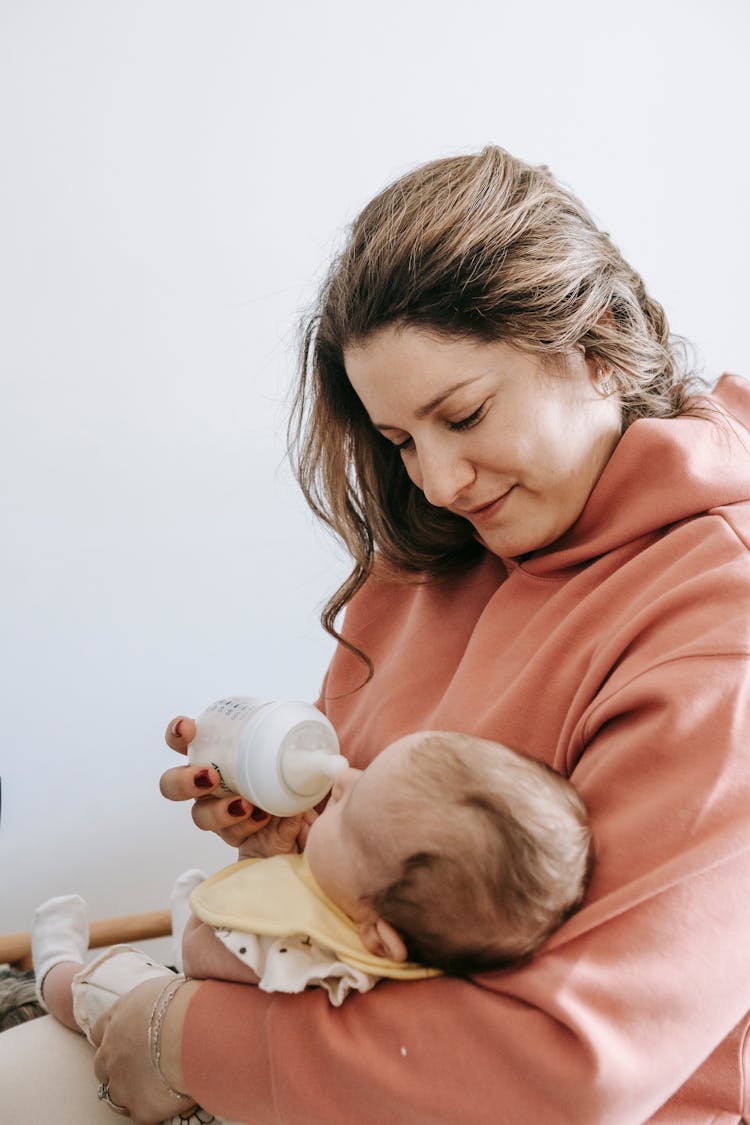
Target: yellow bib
{"type": "Point", "coordinates": [279, 896]}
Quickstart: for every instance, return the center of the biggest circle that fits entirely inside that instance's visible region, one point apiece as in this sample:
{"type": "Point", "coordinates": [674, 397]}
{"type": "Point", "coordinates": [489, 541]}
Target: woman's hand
{"type": "Point", "coordinates": [123, 1060]}
{"type": "Point", "coordinates": [234, 818]}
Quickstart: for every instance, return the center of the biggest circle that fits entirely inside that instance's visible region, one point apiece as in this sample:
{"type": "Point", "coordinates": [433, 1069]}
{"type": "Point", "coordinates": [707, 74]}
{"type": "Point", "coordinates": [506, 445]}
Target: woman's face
{"type": "Point", "coordinates": [488, 433]}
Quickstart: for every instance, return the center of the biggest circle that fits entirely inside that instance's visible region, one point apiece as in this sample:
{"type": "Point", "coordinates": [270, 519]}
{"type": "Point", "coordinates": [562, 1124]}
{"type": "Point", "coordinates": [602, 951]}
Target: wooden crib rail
{"type": "Point", "coordinates": [130, 928]}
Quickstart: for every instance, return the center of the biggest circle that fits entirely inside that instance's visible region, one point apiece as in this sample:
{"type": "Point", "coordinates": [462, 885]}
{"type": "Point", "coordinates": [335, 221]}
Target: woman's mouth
{"type": "Point", "coordinates": [483, 513]}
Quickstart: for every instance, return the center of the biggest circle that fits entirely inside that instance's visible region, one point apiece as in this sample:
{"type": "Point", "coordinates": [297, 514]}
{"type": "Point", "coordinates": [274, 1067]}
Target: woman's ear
{"type": "Point", "coordinates": [380, 938]}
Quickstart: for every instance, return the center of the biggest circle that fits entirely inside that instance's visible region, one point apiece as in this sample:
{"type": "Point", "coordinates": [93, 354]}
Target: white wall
{"type": "Point", "coordinates": [175, 175]}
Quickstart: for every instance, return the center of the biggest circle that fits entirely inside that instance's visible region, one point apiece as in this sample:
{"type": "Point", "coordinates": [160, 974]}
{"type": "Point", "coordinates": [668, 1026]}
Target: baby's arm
{"type": "Point", "coordinates": [205, 957]}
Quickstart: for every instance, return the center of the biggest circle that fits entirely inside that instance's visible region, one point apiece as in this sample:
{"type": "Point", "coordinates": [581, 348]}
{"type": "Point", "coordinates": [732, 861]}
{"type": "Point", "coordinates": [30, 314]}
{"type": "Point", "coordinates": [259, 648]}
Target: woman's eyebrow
{"type": "Point", "coordinates": [433, 404]}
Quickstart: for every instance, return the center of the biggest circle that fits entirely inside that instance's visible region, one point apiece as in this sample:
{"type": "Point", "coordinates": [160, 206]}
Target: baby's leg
{"type": "Point", "coordinates": [198, 952]}
{"type": "Point", "coordinates": [76, 993]}
{"type": "Point", "coordinates": [179, 902]}
{"type": "Point", "coordinates": [205, 957]}
{"type": "Point", "coordinates": [57, 992]}
{"type": "Point", "coordinates": [108, 977]}
{"type": "Point", "coordinates": [59, 941]}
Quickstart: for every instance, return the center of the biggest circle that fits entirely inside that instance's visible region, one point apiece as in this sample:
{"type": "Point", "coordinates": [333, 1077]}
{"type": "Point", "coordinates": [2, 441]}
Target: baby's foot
{"type": "Point", "coordinates": [60, 932]}
{"type": "Point", "coordinates": [179, 902]}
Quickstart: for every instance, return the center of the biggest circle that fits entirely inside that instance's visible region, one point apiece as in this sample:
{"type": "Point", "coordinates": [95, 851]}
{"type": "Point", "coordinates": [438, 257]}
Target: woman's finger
{"type": "Point", "coordinates": [185, 783]}
{"type": "Point", "coordinates": [100, 1068]}
{"type": "Point", "coordinates": [180, 733]}
{"type": "Point", "coordinates": [218, 814]}
{"type": "Point", "coordinates": [97, 1034]}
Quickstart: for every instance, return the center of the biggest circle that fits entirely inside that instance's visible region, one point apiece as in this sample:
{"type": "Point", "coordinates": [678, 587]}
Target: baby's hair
{"type": "Point", "coordinates": [506, 856]}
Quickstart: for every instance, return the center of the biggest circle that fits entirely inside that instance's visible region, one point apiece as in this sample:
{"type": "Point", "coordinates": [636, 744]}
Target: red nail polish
{"type": "Point", "coordinates": [236, 808]}
{"type": "Point", "coordinates": [258, 814]}
{"type": "Point", "coordinates": [202, 780]}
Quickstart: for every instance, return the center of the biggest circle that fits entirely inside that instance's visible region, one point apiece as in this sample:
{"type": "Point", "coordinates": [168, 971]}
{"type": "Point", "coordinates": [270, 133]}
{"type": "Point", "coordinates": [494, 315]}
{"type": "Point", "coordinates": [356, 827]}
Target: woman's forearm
{"type": "Point", "coordinates": [170, 1061]}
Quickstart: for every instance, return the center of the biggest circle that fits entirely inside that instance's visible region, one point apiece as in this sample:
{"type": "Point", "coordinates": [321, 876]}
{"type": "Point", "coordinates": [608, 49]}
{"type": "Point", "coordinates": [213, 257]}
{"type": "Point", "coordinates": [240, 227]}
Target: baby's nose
{"type": "Point", "coordinates": [345, 779]}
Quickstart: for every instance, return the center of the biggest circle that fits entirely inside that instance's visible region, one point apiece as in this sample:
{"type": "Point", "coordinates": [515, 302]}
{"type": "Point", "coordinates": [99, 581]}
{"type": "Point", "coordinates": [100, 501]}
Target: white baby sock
{"type": "Point", "coordinates": [179, 903]}
{"type": "Point", "coordinates": [60, 932]}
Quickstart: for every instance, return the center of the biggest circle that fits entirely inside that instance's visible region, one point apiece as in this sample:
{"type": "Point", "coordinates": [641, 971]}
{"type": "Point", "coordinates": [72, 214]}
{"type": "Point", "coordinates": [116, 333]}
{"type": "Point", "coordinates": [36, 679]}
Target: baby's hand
{"type": "Point", "coordinates": [282, 835]}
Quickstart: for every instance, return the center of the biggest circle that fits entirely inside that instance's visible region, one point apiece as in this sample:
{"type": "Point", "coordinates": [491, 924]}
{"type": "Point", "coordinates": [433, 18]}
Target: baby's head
{"type": "Point", "coordinates": [453, 851]}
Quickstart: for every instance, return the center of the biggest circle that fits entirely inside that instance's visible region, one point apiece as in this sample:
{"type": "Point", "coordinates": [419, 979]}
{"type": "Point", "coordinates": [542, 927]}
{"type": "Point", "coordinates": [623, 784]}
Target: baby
{"type": "Point", "coordinates": [449, 853]}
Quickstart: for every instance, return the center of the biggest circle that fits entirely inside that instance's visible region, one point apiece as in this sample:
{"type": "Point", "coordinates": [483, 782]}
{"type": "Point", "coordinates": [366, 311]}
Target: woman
{"type": "Point", "coordinates": [550, 530]}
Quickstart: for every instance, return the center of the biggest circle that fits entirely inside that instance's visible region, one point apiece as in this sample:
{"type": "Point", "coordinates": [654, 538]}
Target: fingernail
{"type": "Point", "coordinates": [202, 780]}
{"type": "Point", "coordinates": [177, 728]}
{"type": "Point", "coordinates": [258, 814]}
{"type": "Point", "coordinates": [236, 809]}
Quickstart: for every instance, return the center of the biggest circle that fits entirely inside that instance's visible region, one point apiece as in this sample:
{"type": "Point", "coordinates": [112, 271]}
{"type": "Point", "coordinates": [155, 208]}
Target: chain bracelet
{"type": "Point", "coordinates": [155, 1024]}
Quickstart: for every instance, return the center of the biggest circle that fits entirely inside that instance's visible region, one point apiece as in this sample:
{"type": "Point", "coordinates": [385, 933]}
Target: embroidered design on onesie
{"type": "Point", "coordinates": [194, 1116]}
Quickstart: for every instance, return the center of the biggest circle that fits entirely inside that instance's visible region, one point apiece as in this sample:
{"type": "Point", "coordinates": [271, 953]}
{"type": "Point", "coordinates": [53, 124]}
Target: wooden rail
{"type": "Point", "coordinates": [16, 948]}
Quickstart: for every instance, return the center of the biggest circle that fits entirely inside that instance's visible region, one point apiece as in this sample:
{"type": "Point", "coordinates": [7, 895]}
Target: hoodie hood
{"type": "Point", "coordinates": [662, 471]}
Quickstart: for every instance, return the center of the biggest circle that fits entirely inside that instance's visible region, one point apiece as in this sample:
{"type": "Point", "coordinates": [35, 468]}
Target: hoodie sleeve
{"type": "Point", "coordinates": [623, 1006]}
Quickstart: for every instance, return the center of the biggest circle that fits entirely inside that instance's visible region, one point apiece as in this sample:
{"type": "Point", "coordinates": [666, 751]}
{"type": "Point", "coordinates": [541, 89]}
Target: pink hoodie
{"type": "Point", "coordinates": [619, 655]}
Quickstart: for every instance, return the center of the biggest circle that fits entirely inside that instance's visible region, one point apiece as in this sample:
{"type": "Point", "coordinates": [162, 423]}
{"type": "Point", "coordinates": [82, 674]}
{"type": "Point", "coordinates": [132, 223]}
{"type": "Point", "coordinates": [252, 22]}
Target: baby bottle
{"type": "Point", "coordinates": [282, 755]}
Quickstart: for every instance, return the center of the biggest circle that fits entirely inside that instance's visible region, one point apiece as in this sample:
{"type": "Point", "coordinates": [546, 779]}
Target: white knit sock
{"type": "Point", "coordinates": [179, 903]}
{"type": "Point", "coordinates": [60, 932]}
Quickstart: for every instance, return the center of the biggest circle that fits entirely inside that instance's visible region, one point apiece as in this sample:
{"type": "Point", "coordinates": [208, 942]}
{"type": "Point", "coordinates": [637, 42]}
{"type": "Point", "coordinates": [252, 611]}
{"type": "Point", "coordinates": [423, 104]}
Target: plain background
{"type": "Point", "coordinates": [175, 175]}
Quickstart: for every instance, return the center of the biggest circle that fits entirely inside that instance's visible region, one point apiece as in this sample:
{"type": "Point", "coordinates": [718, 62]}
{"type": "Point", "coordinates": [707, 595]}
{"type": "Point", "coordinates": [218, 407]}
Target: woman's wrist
{"type": "Point", "coordinates": [170, 1056]}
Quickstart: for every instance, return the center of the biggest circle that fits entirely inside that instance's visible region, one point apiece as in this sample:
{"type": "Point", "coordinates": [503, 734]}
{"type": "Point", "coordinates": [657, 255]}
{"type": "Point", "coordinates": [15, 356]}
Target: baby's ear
{"type": "Point", "coordinates": [380, 938]}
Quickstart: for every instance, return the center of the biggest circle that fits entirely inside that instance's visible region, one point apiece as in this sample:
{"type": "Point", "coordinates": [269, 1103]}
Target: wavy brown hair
{"type": "Point", "coordinates": [486, 247]}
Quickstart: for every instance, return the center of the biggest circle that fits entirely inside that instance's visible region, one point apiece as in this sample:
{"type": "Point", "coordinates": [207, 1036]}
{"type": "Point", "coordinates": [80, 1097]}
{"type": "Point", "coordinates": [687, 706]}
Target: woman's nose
{"type": "Point", "coordinates": [443, 476]}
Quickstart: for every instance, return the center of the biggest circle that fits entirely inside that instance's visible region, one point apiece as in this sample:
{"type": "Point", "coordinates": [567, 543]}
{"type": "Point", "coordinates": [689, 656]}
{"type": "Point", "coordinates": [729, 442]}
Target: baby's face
{"type": "Point", "coordinates": [342, 846]}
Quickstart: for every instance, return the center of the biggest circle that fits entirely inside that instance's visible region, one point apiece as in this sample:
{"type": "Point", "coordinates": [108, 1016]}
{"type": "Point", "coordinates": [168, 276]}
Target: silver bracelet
{"type": "Point", "coordinates": [155, 1024]}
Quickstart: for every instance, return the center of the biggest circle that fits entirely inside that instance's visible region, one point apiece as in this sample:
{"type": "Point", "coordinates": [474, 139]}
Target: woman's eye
{"type": "Point", "coordinates": [462, 424]}
{"type": "Point", "coordinates": [470, 420]}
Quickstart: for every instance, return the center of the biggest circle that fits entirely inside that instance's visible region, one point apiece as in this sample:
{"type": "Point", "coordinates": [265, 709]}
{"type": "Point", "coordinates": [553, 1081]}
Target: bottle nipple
{"type": "Point", "coordinates": [307, 771]}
